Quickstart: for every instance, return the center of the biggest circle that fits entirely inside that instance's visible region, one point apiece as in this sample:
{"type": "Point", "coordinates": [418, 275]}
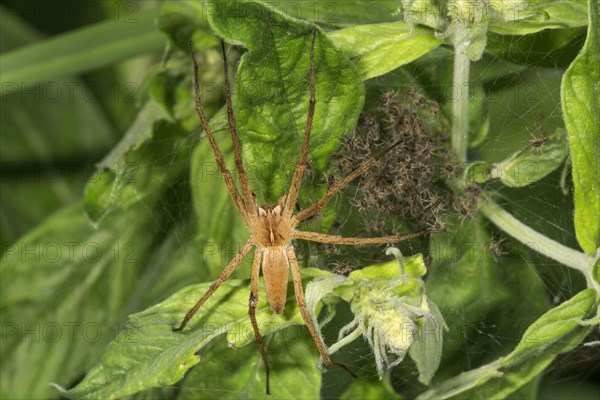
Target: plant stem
{"type": "Point", "coordinates": [460, 95]}
{"type": "Point", "coordinates": [538, 242]}
{"type": "Point", "coordinates": [500, 217]}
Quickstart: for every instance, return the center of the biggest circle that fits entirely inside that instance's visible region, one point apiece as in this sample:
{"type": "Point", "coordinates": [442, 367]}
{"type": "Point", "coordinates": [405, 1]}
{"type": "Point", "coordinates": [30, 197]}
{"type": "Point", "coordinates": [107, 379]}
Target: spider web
{"type": "Point", "coordinates": [522, 103]}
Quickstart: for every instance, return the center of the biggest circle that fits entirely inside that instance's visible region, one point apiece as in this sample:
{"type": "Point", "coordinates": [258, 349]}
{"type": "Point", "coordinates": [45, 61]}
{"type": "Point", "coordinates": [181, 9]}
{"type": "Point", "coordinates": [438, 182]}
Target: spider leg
{"type": "Point", "coordinates": [299, 171]}
{"type": "Point", "coordinates": [316, 207]}
{"type": "Point", "coordinates": [252, 312]}
{"type": "Point", "coordinates": [299, 291]}
{"type": "Point", "coordinates": [233, 192]}
{"type": "Point", "coordinates": [233, 264]}
{"type": "Point", "coordinates": [335, 239]}
{"type": "Point", "coordinates": [248, 198]}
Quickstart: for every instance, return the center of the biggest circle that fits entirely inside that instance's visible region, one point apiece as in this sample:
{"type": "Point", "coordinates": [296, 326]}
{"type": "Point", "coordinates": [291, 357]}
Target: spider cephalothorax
{"type": "Point", "coordinates": [272, 228]}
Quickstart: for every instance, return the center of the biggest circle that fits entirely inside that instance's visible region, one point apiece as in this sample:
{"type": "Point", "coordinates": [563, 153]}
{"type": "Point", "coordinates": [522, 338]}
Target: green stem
{"type": "Point", "coordinates": [538, 242]}
{"type": "Point", "coordinates": [460, 96]}
{"type": "Point", "coordinates": [500, 217]}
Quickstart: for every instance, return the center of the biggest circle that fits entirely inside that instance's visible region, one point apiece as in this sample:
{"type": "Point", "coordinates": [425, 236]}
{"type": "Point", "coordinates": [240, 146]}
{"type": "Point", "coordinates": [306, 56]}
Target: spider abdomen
{"type": "Point", "coordinates": [275, 269]}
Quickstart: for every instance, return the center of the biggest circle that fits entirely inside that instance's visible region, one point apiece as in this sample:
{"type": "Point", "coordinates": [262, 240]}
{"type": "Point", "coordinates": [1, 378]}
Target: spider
{"type": "Point", "coordinates": [495, 248]}
{"type": "Point", "coordinates": [273, 227]}
{"type": "Point", "coordinates": [536, 143]}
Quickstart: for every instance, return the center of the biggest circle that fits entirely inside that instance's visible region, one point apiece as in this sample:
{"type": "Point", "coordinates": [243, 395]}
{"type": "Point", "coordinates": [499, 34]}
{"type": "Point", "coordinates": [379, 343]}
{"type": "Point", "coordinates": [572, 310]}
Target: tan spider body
{"type": "Point", "coordinates": [272, 235]}
{"type": "Point", "coordinates": [272, 227]}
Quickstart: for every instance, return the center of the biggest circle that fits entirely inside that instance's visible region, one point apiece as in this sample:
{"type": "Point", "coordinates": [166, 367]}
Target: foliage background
{"type": "Point", "coordinates": [90, 84]}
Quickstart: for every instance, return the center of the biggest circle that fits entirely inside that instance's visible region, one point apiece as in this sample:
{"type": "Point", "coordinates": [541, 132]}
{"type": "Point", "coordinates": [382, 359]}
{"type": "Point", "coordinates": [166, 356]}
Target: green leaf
{"type": "Point", "coordinates": [293, 362]}
{"type": "Point", "coordinates": [556, 332]}
{"type": "Point", "coordinates": [272, 91]}
{"type": "Point", "coordinates": [151, 354]}
{"type": "Point", "coordinates": [162, 393]}
{"type": "Point", "coordinates": [184, 21]}
{"type": "Point", "coordinates": [463, 382]}
{"type": "Point", "coordinates": [412, 266]}
{"type": "Point", "coordinates": [377, 49]}
{"type": "Point", "coordinates": [47, 132]}
{"type": "Point", "coordinates": [580, 96]}
{"type": "Point", "coordinates": [370, 388]}
{"type": "Point", "coordinates": [64, 286]}
{"type": "Point", "coordinates": [532, 16]}
{"type": "Point", "coordinates": [478, 172]}
{"type": "Point", "coordinates": [15, 31]}
{"type": "Point", "coordinates": [340, 12]}
{"type": "Point", "coordinates": [553, 326]}
{"type": "Point", "coordinates": [559, 47]}
{"type": "Point", "coordinates": [139, 132]}
{"type": "Point", "coordinates": [140, 167]}
{"type": "Point", "coordinates": [538, 159]}
{"type": "Point", "coordinates": [82, 50]}
{"type": "Point", "coordinates": [542, 156]}
{"type": "Point", "coordinates": [116, 173]}
{"type": "Point", "coordinates": [426, 350]}
{"type": "Point", "coordinates": [135, 178]}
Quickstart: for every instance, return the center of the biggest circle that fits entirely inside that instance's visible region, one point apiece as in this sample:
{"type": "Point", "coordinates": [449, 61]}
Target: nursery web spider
{"type": "Point", "coordinates": [273, 227]}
